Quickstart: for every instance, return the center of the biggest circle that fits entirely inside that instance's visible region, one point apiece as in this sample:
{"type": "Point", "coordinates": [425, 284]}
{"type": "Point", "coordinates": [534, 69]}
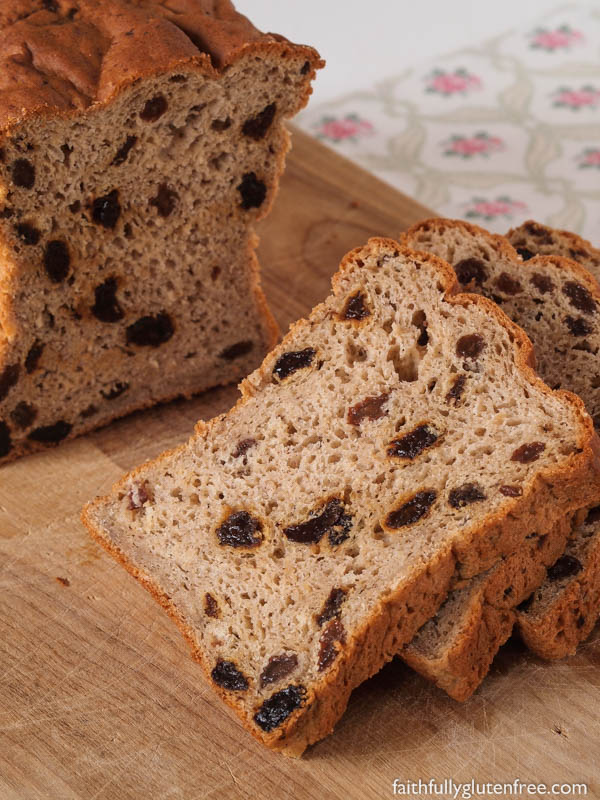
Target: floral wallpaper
{"type": "Point", "coordinates": [500, 132]}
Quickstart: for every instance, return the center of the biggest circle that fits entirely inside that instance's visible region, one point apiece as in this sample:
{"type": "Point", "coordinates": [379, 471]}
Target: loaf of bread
{"type": "Point", "coordinates": [396, 442]}
{"type": "Point", "coordinates": [140, 143]}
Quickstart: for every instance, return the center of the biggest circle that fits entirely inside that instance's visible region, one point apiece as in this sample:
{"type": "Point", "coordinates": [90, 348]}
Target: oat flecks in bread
{"type": "Point", "coordinates": [563, 611]}
{"type": "Point", "coordinates": [336, 551]}
{"type": "Point", "coordinates": [133, 166]}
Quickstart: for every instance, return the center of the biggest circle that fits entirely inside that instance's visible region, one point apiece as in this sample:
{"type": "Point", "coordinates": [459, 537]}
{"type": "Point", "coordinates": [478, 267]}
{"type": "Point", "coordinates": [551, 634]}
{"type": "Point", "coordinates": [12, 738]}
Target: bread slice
{"type": "Point", "coordinates": [395, 440]}
{"type": "Point", "coordinates": [563, 611]}
{"type": "Point", "coordinates": [140, 142]}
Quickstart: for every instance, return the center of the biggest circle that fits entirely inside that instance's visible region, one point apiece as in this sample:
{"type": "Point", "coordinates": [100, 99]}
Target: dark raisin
{"type": "Point", "coordinates": [107, 210]}
{"type": "Point", "coordinates": [154, 109]}
{"type": "Point", "coordinates": [252, 190]}
{"type": "Point", "coordinates": [50, 5]}
{"type": "Point", "coordinates": [277, 708]}
{"type": "Point", "coordinates": [579, 326]}
{"type": "Point", "coordinates": [292, 362]}
{"type": "Point", "coordinates": [471, 270]}
{"type": "Point", "coordinates": [465, 495]}
{"type": "Point", "coordinates": [413, 510]}
{"type": "Point", "coordinates": [240, 529]}
{"type": "Point", "coordinates": [334, 634]}
{"type": "Point", "coordinates": [332, 606]}
{"type": "Point", "coordinates": [5, 442]}
{"type": "Point", "coordinates": [525, 253]}
{"type": "Point", "coordinates": [89, 411]}
{"type": "Point", "coordinates": [23, 173]}
{"type": "Point", "coordinates": [539, 232]}
{"type": "Point", "coordinates": [278, 668]}
{"type": "Point", "coordinates": [8, 378]}
{"type": "Point", "coordinates": [7, 212]}
{"type": "Point", "coordinates": [370, 408]}
{"type": "Point", "coordinates": [511, 491]}
{"type": "Point", "coordinates": [593, 516]}
{"type": "Point", "coordinates": [33, 356]}
{"type": "Point", "coordinates": [227, 675]}
{"type": "Point", "coordinates": [356, 307]}
{"type": "Point", "coordinates": [211, 607]}
{"type": "Point", "coordinates": [221, 124]}
{"type": "Point", "coordinates": [507, 284]}
{"type": "Point", "coordinates": [50, 434]}
{"type": "Point", "coordinates": [565, 567]}
{"type": "Point", "coordinates": [414, 443]}
{"type": "Point", "coordinates": [527, 453]}
{"type": "Point", "coordinates": [237, 350]}
{"type": "Point", "coordinates": [305, 68]}
{"type": "Point", "coordinates": [23, 415]}
{"type": "Point", "coordinates": [470, 346]}
{"type": "Point", "coordinates": [27, 233]}
{"type": "Point", "coordinates": [123, 151]}
{"type": "Point", "coordinates": [456, 390]}
{"type": "Point", "coordinates": [115, 391]}
{"type": "Point", "coordinates": [580, 622]}
{"type": "Point", "coordinates": [542, 283]}
{"type": "Point", "coordinates": [165, 200]}
{"type": "Point", "coordinates": [242, 447]}
{"type": "Point", "coordinates": [57, 260]}
{"type": "Point", "coordinates": [138, 495]}
{"type": "Point", "coordinates": [106, 307]}
{"type": "Point", "coordinates": [579, 297]}
{"type": "Point", "coordinates": [332, 520]}
{"type": "Point", "coordinates": [150, 331]}
{"type": "Point", "coordinates": [256, 127]}
{"type": "Point", "coordinates": [75, 207]}
{"type": "Point", "coordinates": [423, 339]}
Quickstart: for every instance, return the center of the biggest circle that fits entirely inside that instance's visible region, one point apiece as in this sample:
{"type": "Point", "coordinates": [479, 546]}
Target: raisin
{"type": "Point", "coordinates": [106, 307]}
{"type": "Point", "coordinates": [8, 378]}
{"type": "Point", "coordinates": [23, 173]}
{"type": "Point", "coordinates": [5, 442]}
{"type": "Point", "coordinates": [57, 260]}
{"type": "Point", "coordinates": [237, 350]}
{"type": "Point", "coordinates": [470, 346]}
{"type": "Point", "coordinates": [525, 254]}
{"type": "Point", "coordinates": [227, 675]}
{"type": "Point", "coordinates": [278, 668]}
{"type": "Point", "coordinates": [413, 510]}
{"type": "Point", "coordinates": [305, 68]}
{"type": "Point", "coordinates": [33, 356]}
{"type": "Point", "coordinates": [107, 210]}
{"type": "Point", "coordinates": [465, 495]}
{"type": "Point", "coordinates": [221, 124]}
{"type": "Point", "coordinates": [240, 529]}
{"type": "Point", "coordinates": [356, 307]}
{"type": "Point", "coordinates": [423, 338]}
{"type": "Point", "coordinates": [579, 297]}
{"type": "Point", "coordinates": [527, 453]}
{"type": "Point", "coordinates": [292, 362]}
{"type": "Point", "coordinates": [539, 232]}
{"type": "Point", "coordinates": [27, 233]}
{"type": "Point", "coordinates": [370, 408]}
{"type": "Point", "coordinates": [507, 284]}
{"type": "Point", "coordinates": [150, 331]}
{"type": "Point", "coordinates": [89, 411]}
{"type": "Point", "coordinates": [511, 491]}
{"type": "Point", "coordinates": [334, 634]}
{"type": "Point", "coordinates": [414, 443]}
{"type": "Point", "coordinates": [579, 326]}
{"type": "Point", "coordinates": [332, 606]}
{"type": "Point", "coordinates": [332, 520]}
{"type": "Point", "coordinates": [242, 448]}
{"type": "Point", "coordinates": [471, 270]}
{"type": "Point", "coordinates": [580, 621]}
{"type": "Point", "coordinates": [165, 200]}
{"type": "Point", "coordinates": [115, 391]}
{"type": "Point", "coordinates": [7, 212]}
{"type": "Point", "coordinates": [256, 127]}
{"type": "Point", "coordinates": [154, 109]}
{"type": "Point", "coordinates": [211, 607]}
{"type": "Point", "coordinates": [456, 390]}
{"type": "Point", "coordinates": [123, 151]}
{"type": "Point", "coordinates": [542, 283]}
{"type": "Point", "coordinates": [138, 495]}
{"type": "Point", "coordinates": [526, 604]}
{"type": "Point", "coordinates": [51, 434]}
{"type": "Point", "coordinates": [252, 190]}
{"type": "Point", "coordinates": [593, 516]}
{"type": "Point", "coordinates": [277, 708]}
{"type": "Point", "coordinates": [23, 415]}
{"type": "Point", "coordinates": [565, 567]}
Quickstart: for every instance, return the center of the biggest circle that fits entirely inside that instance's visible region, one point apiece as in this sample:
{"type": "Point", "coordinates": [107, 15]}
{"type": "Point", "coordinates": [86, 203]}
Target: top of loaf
{"type": "Point", "coordinates": [65, 55]}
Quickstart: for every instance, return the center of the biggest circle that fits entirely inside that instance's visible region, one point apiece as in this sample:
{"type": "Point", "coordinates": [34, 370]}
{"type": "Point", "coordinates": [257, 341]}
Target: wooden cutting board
{"type": "Point", "coordinates": [98, 696]}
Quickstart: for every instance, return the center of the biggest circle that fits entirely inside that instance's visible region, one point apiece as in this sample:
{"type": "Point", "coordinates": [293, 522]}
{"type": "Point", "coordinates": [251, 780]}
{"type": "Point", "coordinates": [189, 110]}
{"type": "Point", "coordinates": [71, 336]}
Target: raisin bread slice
{"type": "Point", "coordinates": [396, 439]}
{"type": "Point", "coordinates": [130, 181]}
{"type": "Point", "coordinates": [563, 611]}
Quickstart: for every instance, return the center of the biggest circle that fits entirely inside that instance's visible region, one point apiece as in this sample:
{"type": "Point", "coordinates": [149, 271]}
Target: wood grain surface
{"type": "Point", "coordinates": [99, 698]}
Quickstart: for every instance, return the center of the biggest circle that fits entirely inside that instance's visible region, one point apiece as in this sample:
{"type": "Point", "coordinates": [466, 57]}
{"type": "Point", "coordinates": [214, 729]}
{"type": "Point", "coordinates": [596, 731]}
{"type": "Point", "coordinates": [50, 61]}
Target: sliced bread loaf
{"type": "Point", "coordinates": [531, 239]}
{"type": "Point", "coordinates": [131, 176]}
{"type": "Point", "coordinates": [397, 438]}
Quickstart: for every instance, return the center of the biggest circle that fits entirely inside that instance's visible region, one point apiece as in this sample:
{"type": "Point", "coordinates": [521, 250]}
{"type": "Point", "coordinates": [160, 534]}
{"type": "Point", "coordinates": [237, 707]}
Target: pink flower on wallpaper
{"type": "Point", "coordinates": [590, 157]}
{"type": "Point", "coordinates": [556, 39]}
{"type": "Point", "coordinates": [468, 146]}
{"type": "Point", "coordinates": [586, 97]}
{"type": "Point", "coordinates": [449, 83]}
{"type": "Point", "coordinates": [489, 210]}
{"type": "Point", "coordinates": [351, 127]}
